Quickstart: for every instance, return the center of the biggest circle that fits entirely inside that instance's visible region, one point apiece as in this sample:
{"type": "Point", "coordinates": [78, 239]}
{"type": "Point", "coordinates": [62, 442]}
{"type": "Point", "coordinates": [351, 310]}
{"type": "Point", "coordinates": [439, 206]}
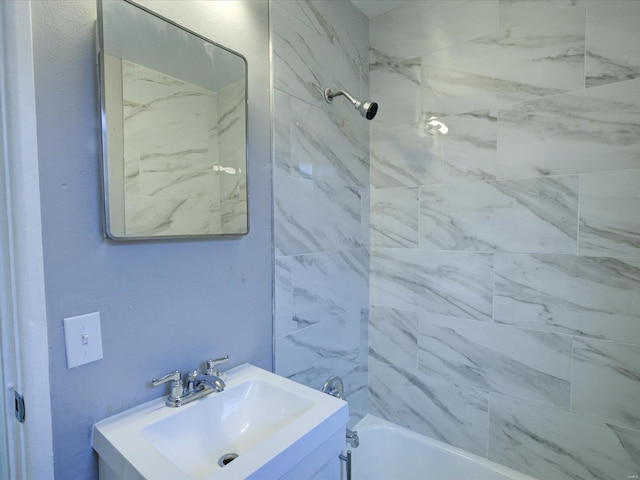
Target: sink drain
{"type": "Point", "coordinates": [227, 458]}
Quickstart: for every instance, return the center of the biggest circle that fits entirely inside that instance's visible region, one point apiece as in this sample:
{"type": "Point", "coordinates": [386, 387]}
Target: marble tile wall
{"type": "Point", "coordinates": [321, 195]}
{"type": "Point", "coordinates": [232, 157]}
{"type": "Point", "coordinates": [184, 155]}
{"type": "Point", "coordinates": [170, 148]}
{"type": "Point", "coordinates": [505, 256]}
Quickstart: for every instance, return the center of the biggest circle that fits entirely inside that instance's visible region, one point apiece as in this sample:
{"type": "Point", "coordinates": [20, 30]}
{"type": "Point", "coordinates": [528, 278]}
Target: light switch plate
{"type": "Point", "coordinates": [83, 339]}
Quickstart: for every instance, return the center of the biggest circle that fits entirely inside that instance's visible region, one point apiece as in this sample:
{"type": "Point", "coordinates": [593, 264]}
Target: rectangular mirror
{"type": "Point", "coordinates": [174, 128]}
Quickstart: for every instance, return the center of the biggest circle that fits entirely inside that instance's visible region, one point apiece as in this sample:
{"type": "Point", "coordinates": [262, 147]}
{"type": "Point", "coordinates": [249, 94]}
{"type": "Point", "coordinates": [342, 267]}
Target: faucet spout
{"type": "Point", "coordinates": [197, 385]}
{"type": "Point", "coordinates": [213, 381]}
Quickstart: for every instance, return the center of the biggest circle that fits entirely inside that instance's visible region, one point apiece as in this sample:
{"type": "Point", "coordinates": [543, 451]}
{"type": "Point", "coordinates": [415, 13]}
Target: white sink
{"type": "Point", "coordinates": [270, 422]}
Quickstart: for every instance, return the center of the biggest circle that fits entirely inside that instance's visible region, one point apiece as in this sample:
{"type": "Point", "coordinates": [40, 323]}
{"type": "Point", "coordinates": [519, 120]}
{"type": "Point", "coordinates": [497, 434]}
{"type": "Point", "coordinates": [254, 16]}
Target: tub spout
{"type": "Point", "coordinates": [334, 386]}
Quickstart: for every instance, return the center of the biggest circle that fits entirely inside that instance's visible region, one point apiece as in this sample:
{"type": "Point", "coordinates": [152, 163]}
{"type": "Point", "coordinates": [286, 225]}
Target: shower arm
{"type": "Point", "coordinates": [366, 108]}
{"type": "Point", "coordinates": [330, 95]}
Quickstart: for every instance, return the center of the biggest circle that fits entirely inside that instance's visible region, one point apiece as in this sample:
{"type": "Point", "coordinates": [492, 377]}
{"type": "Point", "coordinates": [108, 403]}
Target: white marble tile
{"type": "Point", "coordinates": [281, 133]}
{"type": "Point", "coordinates": [364, 336]}
{"type": "Point", "coordinates": [284, 322]}
{"type": "Point", "coordinates": [521, 363]}
{"type": "Point", "coordinates": [434, 408]}
{"type": "Point", "coordinates": [397, 89]}
{"type": "Point", "coordinates": [546, 52]}
{"type": "Point", "coordinates": [315, 216]}
{"type": "Point", "coordinates": [610, 213]}
{"type": "Point", "coordinates": [131, 159]}
{"type": "Point", "coordinates": [180, 113]}
{"type": "Point", "coordinates": [613, 41]}
{"type": "Point", "coordinates": [329, 285]}
{"type": "Point", "coordinates": [146, 86]}
{"type": "Point", "coordinates": [590, 130]}
{"type": "Point", "coordinates": [552, 444]}
{"type": "Point", "coordinates": [172, 147]}
{"type": "Point", "coordinates": [530, 60]}
{"type": "Point", "coordinates": [400, 156]}
{"type": "Point", "coordinates": [586, 296]}
{"type": "Point", "coordinates": [233, 204]}
{"type": "Point", "coordinates": [538, 215]}
{"type": "Point", "coordinates": [394, 217]}
{"type": "Point", "coordinates": [231, 127]}
{"type": "Point", "coordinates": [458, 284]}
{"type": "Point", "coordinates": [343, 25]}
{"type": "Point", "coordinates": [427, 26]}
{"type": "Point", "coordinates": [215, 217]}
{"type": "Point", "coordinates": [175, 109]}
{"type": "Point", "coordinates": [394, 337]}
{"type": "Point", "coordinates": [514, 12]}
{"type": "Point", "coordinates": [327, 146]}
{"type": "Point", "coordinates": [468, 151]}
{"type": "Point", "coordinates": [178, 178]}
{"type": "Point", "coordinates": [232, 158]}
{"type": "Point", "coordinates": [305, 63]}
{"type": "Point", "coordinates": [405, 155]}
{"type": "Point", "coordinates": [446, 91]}
{"type": "Point", "coordinates": [311, 355]}
{"type": "Point", "coordinates": [165, 216]}
{"type": "Point", "coordinates": [606, 381]}
{"type": "Point", "coordinates": [356, 391]}
{"type": "Point", "coordinates": [365, 215]}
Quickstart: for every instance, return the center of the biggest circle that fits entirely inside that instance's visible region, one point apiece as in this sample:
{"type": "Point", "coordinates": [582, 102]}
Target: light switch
{"type": "Point", "coordinates": [83, 339]}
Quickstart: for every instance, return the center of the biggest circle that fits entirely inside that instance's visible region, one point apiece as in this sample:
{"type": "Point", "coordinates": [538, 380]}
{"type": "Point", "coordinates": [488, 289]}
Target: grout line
{"type": "Point", "coordinates": [488, 423]}
{"type": "Point", "coordinates": [573, 339]}
{"type": "Point", "coordinates": [578, 215]}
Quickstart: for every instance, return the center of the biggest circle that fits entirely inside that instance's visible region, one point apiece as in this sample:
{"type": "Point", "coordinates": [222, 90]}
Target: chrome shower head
{"type": "Point", "coordinates": [367, 108]}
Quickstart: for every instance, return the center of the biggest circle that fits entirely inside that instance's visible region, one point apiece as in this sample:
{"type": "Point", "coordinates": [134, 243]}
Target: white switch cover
{"type": "Point", "coordinates": [83, 339]}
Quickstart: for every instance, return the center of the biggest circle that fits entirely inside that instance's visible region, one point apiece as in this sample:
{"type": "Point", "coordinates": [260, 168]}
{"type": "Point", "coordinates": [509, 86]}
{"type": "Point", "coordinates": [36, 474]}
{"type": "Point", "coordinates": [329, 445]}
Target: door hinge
{"type": "Point", "coordinates": [19, 406]}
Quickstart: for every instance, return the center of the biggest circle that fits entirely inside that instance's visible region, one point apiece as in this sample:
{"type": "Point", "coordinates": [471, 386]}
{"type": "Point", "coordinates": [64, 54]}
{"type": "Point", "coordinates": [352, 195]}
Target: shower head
{"type": "Point", "coordinates": [367, 109]}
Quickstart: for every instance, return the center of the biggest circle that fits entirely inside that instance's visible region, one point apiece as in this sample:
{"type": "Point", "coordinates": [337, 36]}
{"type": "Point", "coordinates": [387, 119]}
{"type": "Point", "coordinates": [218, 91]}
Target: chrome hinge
{"type": "Point", "coordinates": [18, 401]}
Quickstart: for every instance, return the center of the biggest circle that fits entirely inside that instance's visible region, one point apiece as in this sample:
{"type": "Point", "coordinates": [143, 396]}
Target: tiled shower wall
{"type": "Point", "coordinates": [505, 256]}
{"type": "Point", "coordinates": [321, 185]}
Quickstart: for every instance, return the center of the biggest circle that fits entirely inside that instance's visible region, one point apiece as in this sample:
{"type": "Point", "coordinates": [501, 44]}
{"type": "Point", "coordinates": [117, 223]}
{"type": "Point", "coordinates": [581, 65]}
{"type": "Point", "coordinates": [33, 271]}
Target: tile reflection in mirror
{"type": "Point", "coordinates": [174, 129]}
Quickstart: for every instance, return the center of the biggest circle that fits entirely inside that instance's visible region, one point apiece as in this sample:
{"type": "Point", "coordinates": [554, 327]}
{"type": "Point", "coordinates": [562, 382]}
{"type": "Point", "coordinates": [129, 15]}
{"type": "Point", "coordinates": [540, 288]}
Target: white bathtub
{"type": "Point", "coordinates": [390, 452]}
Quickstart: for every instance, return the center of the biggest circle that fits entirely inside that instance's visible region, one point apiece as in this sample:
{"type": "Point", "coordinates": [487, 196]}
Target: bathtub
{"type": "Point", "coordinates": [390, 452]}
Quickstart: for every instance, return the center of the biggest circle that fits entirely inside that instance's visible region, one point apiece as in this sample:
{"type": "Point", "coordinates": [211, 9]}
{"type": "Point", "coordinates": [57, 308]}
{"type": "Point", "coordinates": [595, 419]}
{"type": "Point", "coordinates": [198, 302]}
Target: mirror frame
{"type": "Point", "coordinates": [104, 129]}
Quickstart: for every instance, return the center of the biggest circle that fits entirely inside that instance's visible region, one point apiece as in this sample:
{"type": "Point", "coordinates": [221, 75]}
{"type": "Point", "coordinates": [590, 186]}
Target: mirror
{"type": "Point", "coordinates": [174, 128]}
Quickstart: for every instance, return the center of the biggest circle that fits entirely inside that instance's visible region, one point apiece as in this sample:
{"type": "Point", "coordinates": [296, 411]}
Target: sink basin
{"type": "Point", "coordinates": [261, 426]}
{"type": "Point", "coordinates": [244, 416]}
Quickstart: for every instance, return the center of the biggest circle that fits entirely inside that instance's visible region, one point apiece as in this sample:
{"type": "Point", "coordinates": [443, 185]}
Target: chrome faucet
{"type": "Point", "coordinates": [177, 389]}
{"type": "Point", "coordinates": [197, 385]}
{"type": "Point", "coordinates": [352, 438]}
{"type": "Point", "coordinates": [335, 387]}
{"type": "Point", "coordinates": [214, 377]}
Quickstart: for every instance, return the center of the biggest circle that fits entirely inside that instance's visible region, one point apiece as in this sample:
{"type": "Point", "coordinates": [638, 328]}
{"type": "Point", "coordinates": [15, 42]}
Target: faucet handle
{"type": "Point", "coordinates": [176, 383]}
{"type": "Point", "coordinates": [191, 381]}
{"type": "Point", "coordinates": [173, 377]}
{"type": "Point", "coordinates": [212, 363]}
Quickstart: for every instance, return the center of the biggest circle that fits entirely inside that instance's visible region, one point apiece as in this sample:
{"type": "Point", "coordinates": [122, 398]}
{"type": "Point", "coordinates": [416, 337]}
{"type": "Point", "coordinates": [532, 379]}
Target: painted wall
{"type": "Point", "coordinates": [164, 305]}
{"type": "Point", "coordinates": [321, 185]}
{"type": "Point", "coordinates": [505, 256]}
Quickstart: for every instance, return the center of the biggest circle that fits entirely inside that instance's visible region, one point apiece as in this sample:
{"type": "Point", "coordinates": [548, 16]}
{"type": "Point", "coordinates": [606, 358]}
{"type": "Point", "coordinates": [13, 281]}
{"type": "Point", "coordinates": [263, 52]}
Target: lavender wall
{"type": "Point", "coordinates": [164, 305]}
